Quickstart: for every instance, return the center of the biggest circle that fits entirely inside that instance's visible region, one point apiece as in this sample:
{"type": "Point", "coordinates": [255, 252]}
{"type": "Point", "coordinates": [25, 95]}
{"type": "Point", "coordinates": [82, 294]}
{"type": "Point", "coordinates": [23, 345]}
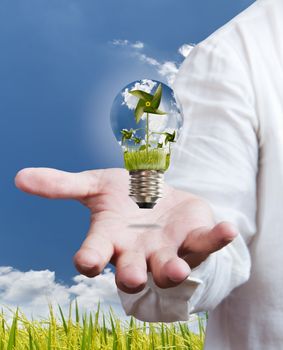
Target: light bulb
{"type": "Point", "coordinates": [146, 121]}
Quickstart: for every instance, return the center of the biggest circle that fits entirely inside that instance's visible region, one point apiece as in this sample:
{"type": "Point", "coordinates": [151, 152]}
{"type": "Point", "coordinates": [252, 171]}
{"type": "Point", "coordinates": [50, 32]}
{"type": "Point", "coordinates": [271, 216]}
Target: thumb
{"type": "Point", "coordinates": [53, 183]}
{"type": "Point", "coordinates": [205, 240]}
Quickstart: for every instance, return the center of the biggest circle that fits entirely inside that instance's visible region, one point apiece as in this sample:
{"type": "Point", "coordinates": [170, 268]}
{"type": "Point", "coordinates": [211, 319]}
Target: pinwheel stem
{"type": "Point", "coordinates": [147, 132]}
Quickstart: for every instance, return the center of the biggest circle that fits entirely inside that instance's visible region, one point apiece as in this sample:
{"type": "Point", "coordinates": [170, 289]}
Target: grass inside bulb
{"type": "Point", "coordinates": [146, 121]}
{"type": "Point", "coordinates": [153, 159]}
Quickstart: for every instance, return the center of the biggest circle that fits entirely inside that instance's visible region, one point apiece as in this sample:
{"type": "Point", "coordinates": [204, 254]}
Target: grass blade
{"type": "Point", "coordinates": [13, 332]}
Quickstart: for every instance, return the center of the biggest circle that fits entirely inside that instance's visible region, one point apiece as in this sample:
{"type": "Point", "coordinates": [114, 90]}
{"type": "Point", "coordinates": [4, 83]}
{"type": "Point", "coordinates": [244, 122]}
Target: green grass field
{"type": "Point", "coordinates": [153, 159]}
{"type": "Point", "coordinates": [94, 331]}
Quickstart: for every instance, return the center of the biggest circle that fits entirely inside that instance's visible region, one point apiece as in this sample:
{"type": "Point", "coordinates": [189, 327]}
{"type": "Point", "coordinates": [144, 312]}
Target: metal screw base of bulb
{"type": "Point", "coordinates": [146, 187]}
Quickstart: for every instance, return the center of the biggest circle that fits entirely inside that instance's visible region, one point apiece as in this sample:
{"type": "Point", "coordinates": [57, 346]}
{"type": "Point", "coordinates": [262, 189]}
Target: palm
{"type": "Point", "coordinates": [164, 240]}
{"type": "Point", "coordinates": [114, 211]}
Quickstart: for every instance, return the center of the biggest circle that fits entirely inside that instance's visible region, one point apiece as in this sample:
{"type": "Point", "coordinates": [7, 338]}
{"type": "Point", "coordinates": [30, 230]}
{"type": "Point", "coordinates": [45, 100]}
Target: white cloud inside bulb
{"type": "Point", "coordinates": [130, 100]}
{"type": "Point", "coordinates": [157, 122]}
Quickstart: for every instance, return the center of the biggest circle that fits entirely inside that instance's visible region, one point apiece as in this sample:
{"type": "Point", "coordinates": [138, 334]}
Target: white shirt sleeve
{"type": "Point", "coordinates": [216, 158]}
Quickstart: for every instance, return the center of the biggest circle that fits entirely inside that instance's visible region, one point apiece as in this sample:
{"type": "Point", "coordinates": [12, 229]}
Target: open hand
{"type": "Point", "coordinates": [169, 240]}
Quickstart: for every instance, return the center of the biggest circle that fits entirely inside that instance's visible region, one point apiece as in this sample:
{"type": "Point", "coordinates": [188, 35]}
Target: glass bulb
{"type": "Point", "coordinates": [146, 121]}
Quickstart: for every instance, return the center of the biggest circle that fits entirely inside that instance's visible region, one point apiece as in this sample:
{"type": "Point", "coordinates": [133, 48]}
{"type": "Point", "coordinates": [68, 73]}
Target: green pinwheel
{"type": "Point", "coordinates": [127, 134]}
{"type": "Point", "coordinates": [170, 137]}
{"type": "Point", "coordinates": [147, 103]}
{"type": "Point", "coordinates": [130, 135]}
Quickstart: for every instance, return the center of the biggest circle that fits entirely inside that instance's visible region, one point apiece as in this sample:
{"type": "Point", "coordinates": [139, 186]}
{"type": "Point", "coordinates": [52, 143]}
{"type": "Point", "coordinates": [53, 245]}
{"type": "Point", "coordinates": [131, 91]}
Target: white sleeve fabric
{"type": "Point", "coordinates": [216, 158]}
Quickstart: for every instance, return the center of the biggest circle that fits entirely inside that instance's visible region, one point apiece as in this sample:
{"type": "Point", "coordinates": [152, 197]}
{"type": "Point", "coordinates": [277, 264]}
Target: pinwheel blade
{"type": "Point", "coordinates": [153, 111]}
{"type": "Point", "coordinates": [142, 95]}
{"type": "Point", "coordinates": [139, 111]}
{"type": "Point", "coordinates": [157, 97]}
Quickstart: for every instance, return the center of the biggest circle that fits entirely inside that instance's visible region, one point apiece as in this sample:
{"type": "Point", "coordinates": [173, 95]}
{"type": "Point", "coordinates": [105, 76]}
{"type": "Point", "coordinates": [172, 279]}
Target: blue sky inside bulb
{"type": "Point", "coordinates": [146, 121]}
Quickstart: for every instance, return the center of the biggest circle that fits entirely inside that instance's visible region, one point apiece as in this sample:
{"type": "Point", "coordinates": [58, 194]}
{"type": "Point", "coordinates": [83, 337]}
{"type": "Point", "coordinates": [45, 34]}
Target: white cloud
{"type": "Point", "coordinates": [120, 42]}
{"type": "Point", "coordinates": [90, 291]}
{"type": "Point", "coordinates": [138, 45]}
{"type": "Point", "coordinates": [32, 291]}
{"type": "Point", "coordinates": [124, 42]}
{"type": "Point", "coordinates": [149, 60]}
{"type": "Point", "coordinates": [131, 100]}
{"type": "Point", "coordinates": [167, 69]}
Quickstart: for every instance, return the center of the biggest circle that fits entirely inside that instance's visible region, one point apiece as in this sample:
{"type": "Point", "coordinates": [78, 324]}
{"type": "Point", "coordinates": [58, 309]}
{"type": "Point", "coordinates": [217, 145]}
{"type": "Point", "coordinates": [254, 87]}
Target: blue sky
{"type": "Point", "coordinates": [59, 73]}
